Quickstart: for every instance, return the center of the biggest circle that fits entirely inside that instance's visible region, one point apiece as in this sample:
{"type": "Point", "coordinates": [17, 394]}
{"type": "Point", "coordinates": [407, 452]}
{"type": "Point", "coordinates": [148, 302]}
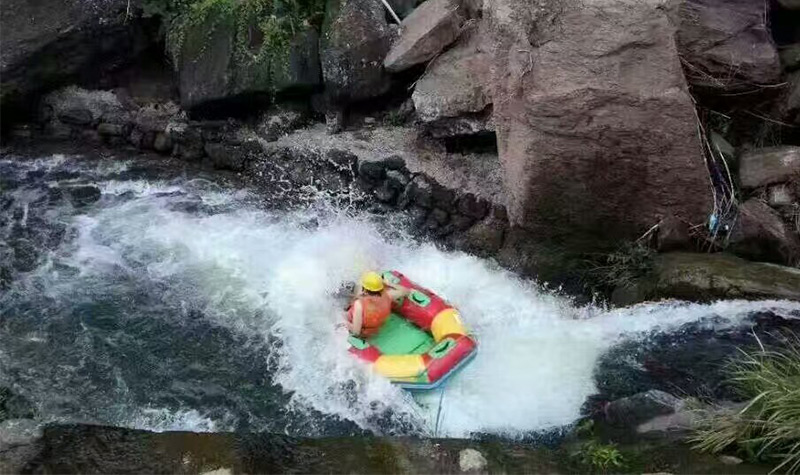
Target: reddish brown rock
{"type": "Point", "coordinates": [596, 130]}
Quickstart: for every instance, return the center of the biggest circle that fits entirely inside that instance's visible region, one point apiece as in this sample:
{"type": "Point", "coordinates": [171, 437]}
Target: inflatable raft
{"type": "Point", "coordinates": [421, 344]}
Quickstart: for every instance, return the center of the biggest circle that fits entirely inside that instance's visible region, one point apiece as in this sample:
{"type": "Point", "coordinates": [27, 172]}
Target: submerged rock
{"type": "Point", "coordinates": [425, 33]}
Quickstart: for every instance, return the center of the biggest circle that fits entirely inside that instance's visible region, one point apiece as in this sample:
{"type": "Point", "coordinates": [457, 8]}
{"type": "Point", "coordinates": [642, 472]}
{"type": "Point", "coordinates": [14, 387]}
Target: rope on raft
{"type": "Point", "coordinates": [438, 414]}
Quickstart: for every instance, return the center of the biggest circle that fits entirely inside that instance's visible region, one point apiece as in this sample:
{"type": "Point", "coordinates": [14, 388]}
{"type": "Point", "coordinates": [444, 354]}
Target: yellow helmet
{"type": "Point", "coordinates": [372, 281]}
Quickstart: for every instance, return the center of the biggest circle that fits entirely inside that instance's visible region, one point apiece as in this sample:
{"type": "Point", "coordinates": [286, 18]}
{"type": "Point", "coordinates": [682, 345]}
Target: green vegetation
{"type": "Point", "coordinates": [768, 428]}
{"type": "Point", "coordinates": [600, 457]}
{"type": "Point", "coordinates": [263, 28]}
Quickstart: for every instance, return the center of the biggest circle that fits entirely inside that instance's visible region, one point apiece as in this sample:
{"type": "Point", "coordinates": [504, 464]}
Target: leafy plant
{"type": "Point", "coordinates": [263, 28]}
{"type": "Point", "coordinates": [600, 457]}
{"type": "Point", "coordinates": [769, 426]}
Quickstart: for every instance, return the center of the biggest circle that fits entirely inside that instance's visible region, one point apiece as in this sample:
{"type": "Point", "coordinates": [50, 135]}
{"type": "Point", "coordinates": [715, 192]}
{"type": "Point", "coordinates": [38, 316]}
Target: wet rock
{"type": "Point", "coordinates": [277, 122]}
{"type": "Point", "coordinates": [595, 126]}
{"type": "Point", "coordinates": [355, 39]}
{"type": "Point", "coordinates": [20, 443]}
{"type": "Point", "coordinates": [232, 157]}
{"type": "Point", "coordinates": [631, 411]}
{"type": "Point", "coordinates": [485, 238]}
{"type": "Point", "coordinates": [385, 193]}
{"type": "Point", "coordinates": [111, 130]}
{"type": "Point", "coordinates": [673, 235]}
{"type": "Point", "coordinates": [83, 195]}
{"type": "Point", "coordinates": [420, 192]}
{"type": "Point", "coordinates": [424, 33]}
{"type": "Point", "coordinates": [765, 166]}
{"type": "Point", "coordinates": [162, 142]}
{"type": "Point", "coordinates": [396, 180]}
{"type": "Point", "coordinates": [75, 116]}
{"type": "Point", "coordinates": [726, 44]}
{"type": "Point", "coordinates": [696, 276]}
{"type": "Point", "coordinates": [470, 205]}
{"type": "Point", "coordinates": [760, 234]}
{"type": "Point", "coordinates": [77, 106]}
{"type": "Point", "coordinates": [212, 73]}
{"type": "Point", "coordinates": [472, 461]}
{"type": "Point", "coordinates": [452, 97]}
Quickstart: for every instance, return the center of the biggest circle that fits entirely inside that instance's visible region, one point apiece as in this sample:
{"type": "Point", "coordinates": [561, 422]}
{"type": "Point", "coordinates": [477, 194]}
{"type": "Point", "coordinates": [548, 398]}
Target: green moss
{"type": "Point", "coordinates": [263, 30]}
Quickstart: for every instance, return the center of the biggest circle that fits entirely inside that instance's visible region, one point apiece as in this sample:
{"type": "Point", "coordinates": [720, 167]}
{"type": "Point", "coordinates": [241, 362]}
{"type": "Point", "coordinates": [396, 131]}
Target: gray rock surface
{"type": "Point", "coordinates": [470, 460]}
{"type": "Point", "coordinates": [695, 276]}
{"type": "Point", "coordinates": [425, 33]}
{"type": "Point", "coordinates": [355, 40]}
{"type": "Point", "coordinates": [766, 166]}
{"type": "Point", "coordinates": [210, 69]}
{"type": "Point", "coordinates": [633, 410]}
{"type": "Point", "coordinates": [726, 44]}
{"type": "Point", "coordinates": [453, 97]}
{"type": "Point", "coordinates": [595, 127]}
{"type": "Point", "coordinates": [48, 43]}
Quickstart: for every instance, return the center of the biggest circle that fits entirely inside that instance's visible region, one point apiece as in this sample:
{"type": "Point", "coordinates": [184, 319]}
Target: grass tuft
{"type": "Point", "coordinates": [768, 428]}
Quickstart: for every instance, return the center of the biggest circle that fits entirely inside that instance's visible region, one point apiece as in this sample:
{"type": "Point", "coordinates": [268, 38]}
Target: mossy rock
{"type": "Point", "coordinates": [216, 65]}
{"type": "Point", "coordinates": [695, 276]}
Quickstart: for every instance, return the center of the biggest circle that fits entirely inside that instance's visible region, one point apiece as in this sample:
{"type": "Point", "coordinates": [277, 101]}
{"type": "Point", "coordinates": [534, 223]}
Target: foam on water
{"type": "Point", "coordinates": [279, 275]}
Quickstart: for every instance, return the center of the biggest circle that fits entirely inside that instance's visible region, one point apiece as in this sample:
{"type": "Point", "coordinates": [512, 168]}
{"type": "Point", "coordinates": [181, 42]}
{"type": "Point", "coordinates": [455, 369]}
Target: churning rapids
{"type": "Point", "coordinates": [175, 303]}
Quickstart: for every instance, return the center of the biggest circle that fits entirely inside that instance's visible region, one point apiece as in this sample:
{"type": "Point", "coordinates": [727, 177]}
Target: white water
{"type": "Point", "coordinates": [279, 274]}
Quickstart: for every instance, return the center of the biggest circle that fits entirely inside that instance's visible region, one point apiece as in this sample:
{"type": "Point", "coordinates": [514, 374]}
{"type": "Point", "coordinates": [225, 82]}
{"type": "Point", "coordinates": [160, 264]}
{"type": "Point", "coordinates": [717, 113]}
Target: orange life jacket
{"type": "Point", "coordinates": [376, 309]}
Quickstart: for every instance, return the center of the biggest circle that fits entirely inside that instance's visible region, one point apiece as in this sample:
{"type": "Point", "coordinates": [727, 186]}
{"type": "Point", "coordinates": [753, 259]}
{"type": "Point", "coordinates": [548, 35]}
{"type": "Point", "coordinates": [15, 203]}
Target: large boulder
{"type": "Point", "coordinates": [766, 166]}
{"type": "Point", "coordinates": [760, 234]}
{"type": "Point", "coordinates": [596, 131]}
{"type": "Point", "coordinates": [425, 33]}
{"type": "Point", "coordinates": [355, 40]}
{"type": "Point", "coordinates": [213, 71]}
{"type": "Point", "coordinates": [47, 44]}
{"type": "Point", "coordinates": [696, 276]}
{"type": "Point", "coordinates": [726, 44]}
{"type": "Point", "coordinates": [453, 97]}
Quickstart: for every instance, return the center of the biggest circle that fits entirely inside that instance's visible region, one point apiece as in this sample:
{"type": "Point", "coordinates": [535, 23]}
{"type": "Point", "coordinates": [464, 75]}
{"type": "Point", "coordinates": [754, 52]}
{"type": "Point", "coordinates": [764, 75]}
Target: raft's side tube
{"type": "Point", "coordinates": [428, 311]}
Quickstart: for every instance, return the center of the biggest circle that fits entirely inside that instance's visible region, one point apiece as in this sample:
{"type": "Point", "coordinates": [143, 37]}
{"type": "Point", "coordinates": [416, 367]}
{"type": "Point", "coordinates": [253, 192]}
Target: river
{"type": "Point", "coordinates": [178, 300]}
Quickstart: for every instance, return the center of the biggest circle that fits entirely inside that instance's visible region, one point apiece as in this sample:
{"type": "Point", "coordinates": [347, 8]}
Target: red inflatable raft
{"type": "Point", "coordinates": [421, 344]}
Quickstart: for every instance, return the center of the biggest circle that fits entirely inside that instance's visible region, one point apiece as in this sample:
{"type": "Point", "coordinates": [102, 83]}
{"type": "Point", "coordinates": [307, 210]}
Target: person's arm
{"type": "Point", "coordinates": [396, 291]}
{"type": "Point", "coordinates": [358, 319]}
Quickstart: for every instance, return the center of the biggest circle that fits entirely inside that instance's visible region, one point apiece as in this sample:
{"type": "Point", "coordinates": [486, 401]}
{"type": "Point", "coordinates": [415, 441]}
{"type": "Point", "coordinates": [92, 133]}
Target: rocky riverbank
{"type": "Point", "coordinates": [534, 152]}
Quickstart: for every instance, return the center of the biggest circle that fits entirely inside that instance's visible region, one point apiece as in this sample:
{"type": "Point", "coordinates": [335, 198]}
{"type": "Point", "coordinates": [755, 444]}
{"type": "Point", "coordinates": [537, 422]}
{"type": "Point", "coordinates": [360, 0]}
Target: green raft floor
{"type": "Point", "coordinates": [398, 336]}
